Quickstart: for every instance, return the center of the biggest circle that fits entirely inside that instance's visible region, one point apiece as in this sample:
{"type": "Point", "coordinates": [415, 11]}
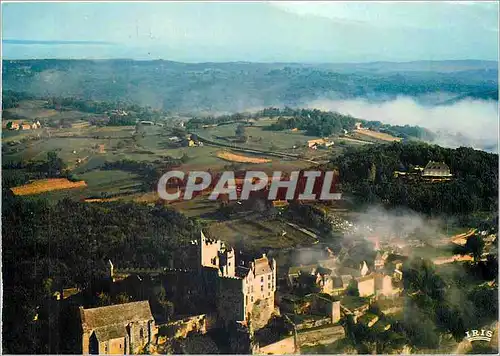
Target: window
{"type": "Point", "coordinates": [269, 285]}
{"type": "Point", "coordinates": [251, 298]}
{"type": "Point", "coordinates": [268, 277]}
{"type": "Point", "coordinates": [141, 333]}
{"type": "Point", "coordinates": [262, 279]}
{"type": "Point", "coordinates": [262, 288]}
{"type": "Point", "coordinates": [120, 346]}
{"type": "Point", "coordinates": [252, 289]}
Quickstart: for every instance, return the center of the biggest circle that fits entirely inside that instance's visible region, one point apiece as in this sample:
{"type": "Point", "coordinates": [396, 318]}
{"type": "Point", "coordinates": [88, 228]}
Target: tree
{"type": "Point", "coordinates": [103, 299]}
{"type": "Point", "coordinates": [240, 130]}
{"type": "Point", "coordinates": [352, 288]}
{"type": "Point", "coordinates": [475, 246]}
{"type": "Point", "coordinates": [168, 306]}
{"type": "Point", "coordinates": [122, 298]}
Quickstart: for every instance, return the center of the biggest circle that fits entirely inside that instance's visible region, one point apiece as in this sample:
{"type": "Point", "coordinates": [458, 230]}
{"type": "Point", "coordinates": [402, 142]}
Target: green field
{"type": "Point", "coordinates": [256, 234]}
{"type": "Point", "coordinates": [79, 147]}
{"type": "Point", "coordinates": [262, 139]}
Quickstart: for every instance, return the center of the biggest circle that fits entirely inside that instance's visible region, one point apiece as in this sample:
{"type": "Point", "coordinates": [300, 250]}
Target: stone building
{"type": "Point", "coordinates": [214, 253]}
{"type": "Point", "coordinates": [436, 169]}
{"type": "Point", "coordinates": [383, 285]}
{"type": "Point", "coordinates": [380, 260]}
{"type": "Point", "coordinates": [249, 294]}
{"type": "Point", "coordinates": [117, 329]}
{"type": "Point", "coordinates": [243, 292]}
{"type": "Point", "coordinates": [366, 285]}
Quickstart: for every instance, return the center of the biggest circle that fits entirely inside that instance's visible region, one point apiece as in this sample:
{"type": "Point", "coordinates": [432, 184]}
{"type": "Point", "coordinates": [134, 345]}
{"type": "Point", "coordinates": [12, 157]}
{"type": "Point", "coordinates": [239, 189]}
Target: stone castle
{"type": "Point", "coordinates": [245, 290]}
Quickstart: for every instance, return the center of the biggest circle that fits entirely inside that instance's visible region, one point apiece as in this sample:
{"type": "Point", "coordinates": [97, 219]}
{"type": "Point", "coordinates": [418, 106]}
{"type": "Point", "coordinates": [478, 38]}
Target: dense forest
{"type": "Point", "coordinates": [230, 87]}
{"type": "Point", "coordinates": [48, 247]}
{"type": "Point", "coordinates": [11, 99]}
{"type": "Point", "coordinates": [368, 174]}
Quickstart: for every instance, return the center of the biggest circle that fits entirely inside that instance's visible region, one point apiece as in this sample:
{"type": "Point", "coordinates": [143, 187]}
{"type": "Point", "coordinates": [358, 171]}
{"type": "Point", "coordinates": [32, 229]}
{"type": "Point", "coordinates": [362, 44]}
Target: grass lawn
{"type": "Point", "coordinates": [258, 138]}
{"type": "Point", "coordinates": [258, 234]}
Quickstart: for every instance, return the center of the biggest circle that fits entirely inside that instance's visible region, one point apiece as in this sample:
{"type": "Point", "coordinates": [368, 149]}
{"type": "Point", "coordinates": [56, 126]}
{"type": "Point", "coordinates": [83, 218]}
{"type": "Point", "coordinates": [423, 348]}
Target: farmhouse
{"type": "Point", "coordinates": [321, 142]}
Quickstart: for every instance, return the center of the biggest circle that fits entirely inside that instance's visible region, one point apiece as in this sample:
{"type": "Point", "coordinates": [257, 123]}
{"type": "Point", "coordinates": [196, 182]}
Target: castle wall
{"type": "Point", "coordinates": [230, 299]}
{"type": "Point", "coordinates": [181, 328]}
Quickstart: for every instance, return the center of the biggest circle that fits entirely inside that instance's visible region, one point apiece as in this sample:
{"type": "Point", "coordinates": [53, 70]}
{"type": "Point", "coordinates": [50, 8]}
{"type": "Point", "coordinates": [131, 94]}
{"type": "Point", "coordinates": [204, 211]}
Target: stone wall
{"type": "Point", "coordinates": [282, 347]}
{"type": "Point", "coordinates": [262, 311]}
{"type": "Point", "coordinates": [322, 336]}
{"type": "Point", "coordinates": [181, 328]}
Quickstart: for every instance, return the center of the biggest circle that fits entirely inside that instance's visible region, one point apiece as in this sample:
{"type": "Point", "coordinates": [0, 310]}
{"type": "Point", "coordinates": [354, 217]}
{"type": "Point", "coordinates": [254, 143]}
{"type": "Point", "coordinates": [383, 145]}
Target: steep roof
{"type": "Point", "coordinates": [116, 314]}
{"type": "Point", "coordinates": [110, 332]}
{"type": "Point", "coordinates": [262, 266]}
{"type": "Point", "coordinates": [437, 165]}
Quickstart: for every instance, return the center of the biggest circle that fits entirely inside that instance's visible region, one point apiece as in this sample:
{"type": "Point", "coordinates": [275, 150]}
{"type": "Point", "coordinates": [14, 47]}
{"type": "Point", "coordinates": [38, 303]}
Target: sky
{"type": "Point", "coordinates": [252, 31]}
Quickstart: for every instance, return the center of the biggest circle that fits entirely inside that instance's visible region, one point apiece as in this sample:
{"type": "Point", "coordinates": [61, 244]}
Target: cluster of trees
{"type": "Point", "coordinates": [11, 99]}
{"type": "Point", "coordinates": [405, 132]}
{"type": "Point", "coordinates": [198, 122]}
{"type": "Point", "coordinates": [445, 305]}
{"type": "Point", "coordinates": [315, 122]}
{"type": "Point", "coordinates": [135, 112]}
{"type": "Point", "coordinates": [367, 173]}
{"type": "Point", "coordinates": [20, 172]}
{"type": "Point", "coordinates": [47, 247]}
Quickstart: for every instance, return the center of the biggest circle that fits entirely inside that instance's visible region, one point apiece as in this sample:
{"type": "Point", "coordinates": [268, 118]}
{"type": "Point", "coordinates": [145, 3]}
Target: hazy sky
{"type": "Point", "coordinates": [252, 31]}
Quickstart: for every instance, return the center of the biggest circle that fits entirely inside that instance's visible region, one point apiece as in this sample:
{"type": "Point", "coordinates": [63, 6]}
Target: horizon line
{"type": "Point", "coordinates": [235, 61]}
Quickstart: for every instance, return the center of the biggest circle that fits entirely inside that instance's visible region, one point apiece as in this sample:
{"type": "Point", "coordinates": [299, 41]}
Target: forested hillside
{"type": "Point", "coordinates": [367, 172]}
{"type": "Point", "coordinates": [49, 247]}
{"type": "Point", "coordinates": [230, 87]}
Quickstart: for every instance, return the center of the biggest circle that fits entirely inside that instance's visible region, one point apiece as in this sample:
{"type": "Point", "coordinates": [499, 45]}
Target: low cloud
{"type": "Point", "coordinates": [464, 123]}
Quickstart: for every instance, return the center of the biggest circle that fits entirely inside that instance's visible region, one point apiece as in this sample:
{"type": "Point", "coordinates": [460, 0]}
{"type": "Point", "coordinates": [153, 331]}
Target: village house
{"type": "Point", "coordinates": [380, 260]}
{"type": "Point", "coordinates": [321, 142]}
{"type": "Point", "coordinates": [366, 285]}
{"type": "Point", "coordinates": [13, 126]}
{"type": "Point", "coordinates": [117, 329]}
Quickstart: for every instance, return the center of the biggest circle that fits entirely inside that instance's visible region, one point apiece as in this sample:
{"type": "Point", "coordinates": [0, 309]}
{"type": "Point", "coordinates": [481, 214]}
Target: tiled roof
{"type": "Point", "coordinates": [262, 266]}
{"type": "Point", "coordinates": [110, 332]}
{"type": "Point", "coordinates": [436, 165]}
{"type": "Point", "coordinates": [116, 314]}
